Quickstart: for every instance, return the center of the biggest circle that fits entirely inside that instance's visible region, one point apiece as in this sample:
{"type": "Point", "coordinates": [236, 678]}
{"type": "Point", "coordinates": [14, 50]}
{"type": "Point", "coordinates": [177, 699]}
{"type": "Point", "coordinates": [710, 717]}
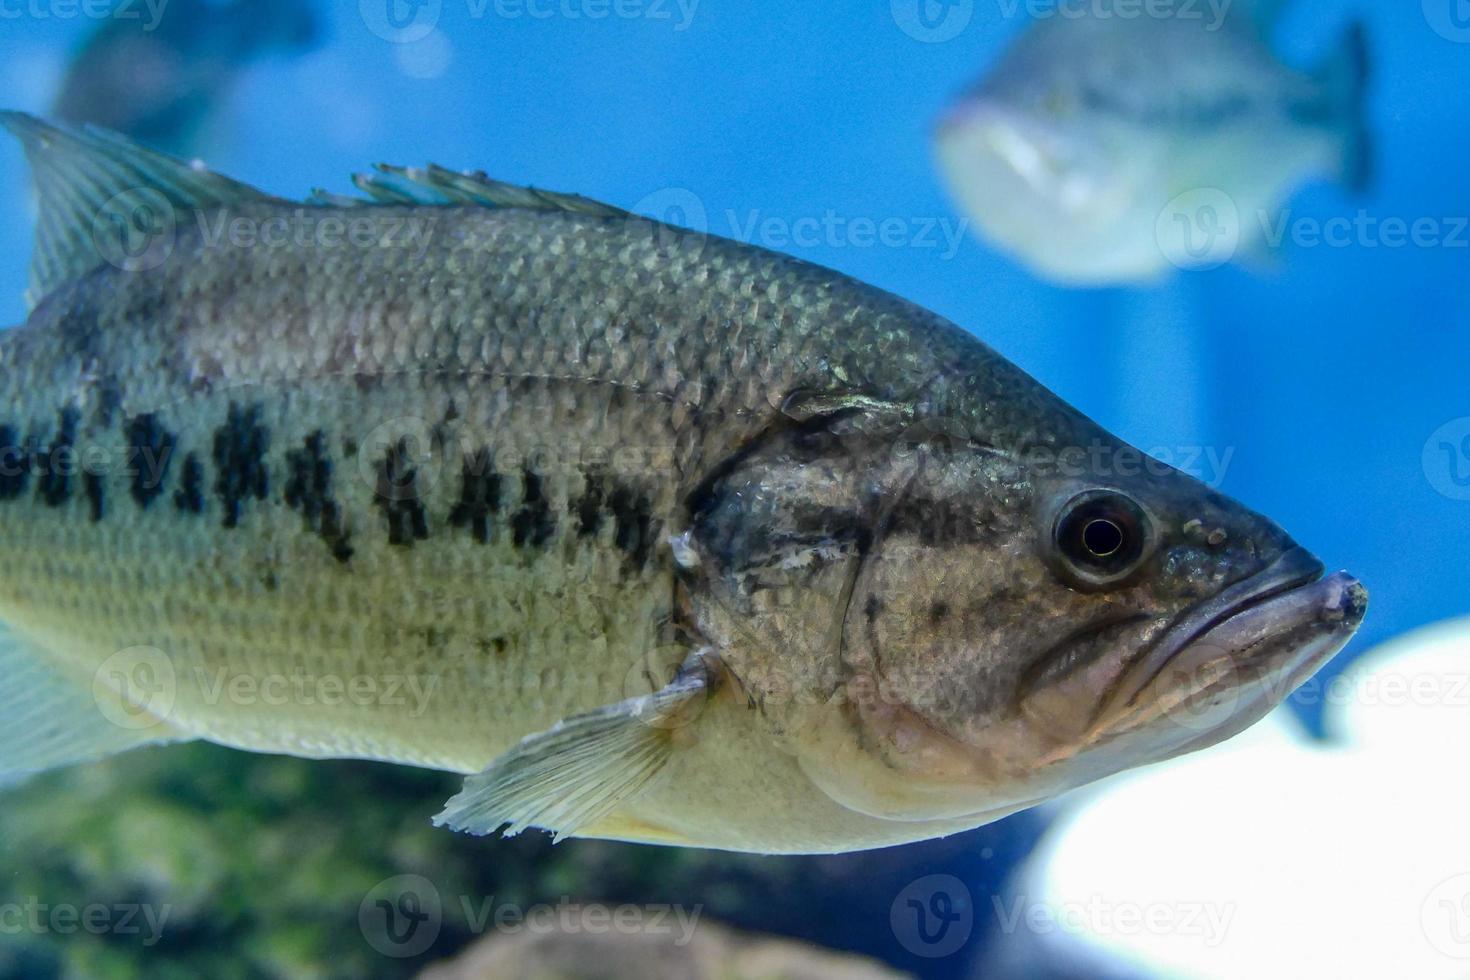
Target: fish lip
{"type": "Point", "coordinates": [1295, 570]}
{"type": "Point", "coordinates": [1305, 627]}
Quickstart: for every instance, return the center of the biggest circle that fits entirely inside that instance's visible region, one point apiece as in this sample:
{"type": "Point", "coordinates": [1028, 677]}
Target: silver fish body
{"type": "Point", "coordinates": [1106, 149]}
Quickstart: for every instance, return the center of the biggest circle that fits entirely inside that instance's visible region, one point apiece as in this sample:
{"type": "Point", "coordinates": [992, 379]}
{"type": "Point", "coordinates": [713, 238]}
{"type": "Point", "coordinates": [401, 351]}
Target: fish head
{"type": "Point", "coordinates": [1050, 179]}
{"type": "Point", "coordinates": [979, 627]}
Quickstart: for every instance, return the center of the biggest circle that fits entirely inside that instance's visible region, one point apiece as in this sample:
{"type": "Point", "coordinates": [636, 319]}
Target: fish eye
{"type": "Point", "coordinates": [1101, 537]}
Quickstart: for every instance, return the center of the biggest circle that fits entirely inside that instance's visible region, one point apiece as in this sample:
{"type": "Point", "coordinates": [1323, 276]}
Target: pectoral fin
{"type": "Point", "coordinates": [51, 718]}
{"type": "Point", "coordinates": [574, 775]}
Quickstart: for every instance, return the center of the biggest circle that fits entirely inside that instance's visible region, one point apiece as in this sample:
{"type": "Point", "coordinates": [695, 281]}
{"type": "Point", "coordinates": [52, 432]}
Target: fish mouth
{"type": "Point", "coordinates": [1273, 631]}
{"type": "Point", "coordinates": [979, 133]}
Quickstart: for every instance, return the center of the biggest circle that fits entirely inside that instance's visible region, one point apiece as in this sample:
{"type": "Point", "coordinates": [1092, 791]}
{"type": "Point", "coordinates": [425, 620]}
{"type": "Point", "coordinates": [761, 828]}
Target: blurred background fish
{"type": "Point", "coordinates": [164, 75]}
{"type": "Point", "coordinates": [1109, 147]}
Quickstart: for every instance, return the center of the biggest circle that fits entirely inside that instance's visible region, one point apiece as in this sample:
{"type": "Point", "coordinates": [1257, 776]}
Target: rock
{"type": "Point", "coordinates": [569, 950]}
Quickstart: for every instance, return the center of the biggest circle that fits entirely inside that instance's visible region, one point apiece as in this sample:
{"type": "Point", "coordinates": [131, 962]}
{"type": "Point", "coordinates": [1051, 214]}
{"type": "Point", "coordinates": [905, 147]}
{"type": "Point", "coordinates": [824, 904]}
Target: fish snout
{"type": "Point", "coordinates": [1344, 601]}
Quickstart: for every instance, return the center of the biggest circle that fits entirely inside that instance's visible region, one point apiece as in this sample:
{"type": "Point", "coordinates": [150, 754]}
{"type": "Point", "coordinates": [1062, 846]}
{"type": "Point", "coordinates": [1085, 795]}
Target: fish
{"type": "Point", "coordinates": [1106, 150]}
{"type": "Point", "coordinates": [649, 534]}
{"type": "Point", "coordinates": [162, 75]}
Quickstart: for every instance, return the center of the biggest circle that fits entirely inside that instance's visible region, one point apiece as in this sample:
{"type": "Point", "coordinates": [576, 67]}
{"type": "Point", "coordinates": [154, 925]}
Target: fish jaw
{"type": "Point", "coordinates": [1218, 670]}
{"type": "Point", "coordinates": [1222, 678]}
{"type": "Point", "coordinates": [1051, 196]}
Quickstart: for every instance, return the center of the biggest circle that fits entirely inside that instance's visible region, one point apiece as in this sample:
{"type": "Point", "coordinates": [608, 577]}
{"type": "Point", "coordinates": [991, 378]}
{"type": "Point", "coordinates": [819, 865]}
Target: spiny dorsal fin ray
{"type": "Point", "coordinates": [84, 178]}
{"type": "Point", "coordinates": [439, 186]}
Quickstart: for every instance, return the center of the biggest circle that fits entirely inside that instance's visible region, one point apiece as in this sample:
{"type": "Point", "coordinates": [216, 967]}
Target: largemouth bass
{"type": "Point", "coordinates": [654, 536]}
{"type": "Point", "coordinates": [1113, 146]}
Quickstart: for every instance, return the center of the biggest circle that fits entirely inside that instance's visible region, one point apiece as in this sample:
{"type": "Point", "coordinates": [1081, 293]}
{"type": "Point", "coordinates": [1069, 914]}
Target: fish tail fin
{"type": "Point", "coordinates": [53, 716]}
{"type": "Point", "coordinates": [1347, 75]}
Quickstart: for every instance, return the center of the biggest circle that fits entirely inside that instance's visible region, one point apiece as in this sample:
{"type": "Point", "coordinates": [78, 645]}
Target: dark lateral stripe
{"type": "Point", "coordinates": [54, 484]}
{"type": "Point", "coordinates": [15, 464]}
{"type": "Point", "coordinates": [589, 506]}
{"type": "Point", "coordinates": [189, 497]}
{"type": "Point", "coordinates": [150, 446]}
{"type": "Point", "coordinates": [92, 487]}
{"type": "Point", "coordinates": [398, 496]}
{"type": "Point", "coordinates": [309, 490]}
{"type": "Point", "coordinates": [533, 524]}
{"type": "Point", "coordinates": [633, 524]}
{"type": "Point", "coordinates": [239, 457]}
{"type": "Point", "coordinates": [634, 527]}
{"type": "Point", "coordinates": [109, 400]}
{"type": "Point", "coordinates": [479, 495]}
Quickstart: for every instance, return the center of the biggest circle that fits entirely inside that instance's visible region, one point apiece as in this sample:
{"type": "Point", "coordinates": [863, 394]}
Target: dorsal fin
{"type": "Point", "coordinates": [82, 175]}
{"type": "Point", "coordinates": [439, 186]}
